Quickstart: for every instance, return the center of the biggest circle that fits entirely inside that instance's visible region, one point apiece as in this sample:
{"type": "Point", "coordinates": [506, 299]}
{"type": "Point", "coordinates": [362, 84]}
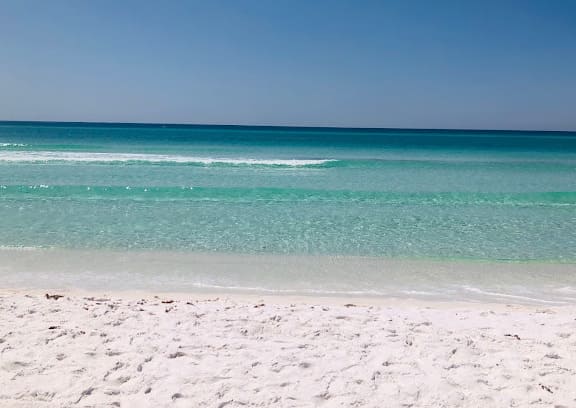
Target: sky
{"type": "Point", "coordinates": [490, 64]}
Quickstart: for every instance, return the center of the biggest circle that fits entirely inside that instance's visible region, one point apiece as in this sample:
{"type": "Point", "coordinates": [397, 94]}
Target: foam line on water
{"type": "Point", "coordinates": [309, 291]}
{"type": "Point", "coordinates": [18, 248]}
{"type": "Point", "coordinates": [95, 157]}
{"type": "Point", "coordinates": [512, 296]}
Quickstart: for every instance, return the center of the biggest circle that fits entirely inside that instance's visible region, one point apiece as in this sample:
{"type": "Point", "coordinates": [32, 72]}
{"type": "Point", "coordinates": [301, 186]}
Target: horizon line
{"type": "Point", "coordinates": [269, 127]}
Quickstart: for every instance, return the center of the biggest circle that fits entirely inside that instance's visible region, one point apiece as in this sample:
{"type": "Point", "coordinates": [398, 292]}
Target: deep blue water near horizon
{"type": "Point", "coordinates": [385, 193]}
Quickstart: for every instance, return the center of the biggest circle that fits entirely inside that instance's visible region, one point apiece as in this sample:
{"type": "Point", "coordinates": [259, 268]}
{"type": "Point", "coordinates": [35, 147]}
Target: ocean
{"type": "Point", "coordinates": [375, 212]}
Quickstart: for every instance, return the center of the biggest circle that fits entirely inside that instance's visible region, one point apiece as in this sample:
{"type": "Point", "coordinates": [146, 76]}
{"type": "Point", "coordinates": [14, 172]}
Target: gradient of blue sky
{"type": "Point", "coordinates": [404, 63]}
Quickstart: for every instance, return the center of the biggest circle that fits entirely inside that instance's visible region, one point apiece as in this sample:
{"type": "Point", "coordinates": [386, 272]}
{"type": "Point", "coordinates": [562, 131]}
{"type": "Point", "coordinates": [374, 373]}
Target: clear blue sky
{"type": "Point", "coordinates": [405, 63]}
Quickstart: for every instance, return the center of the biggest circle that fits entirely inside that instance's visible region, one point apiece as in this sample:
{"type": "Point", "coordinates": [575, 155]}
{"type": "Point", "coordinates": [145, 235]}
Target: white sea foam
{"type": "Point", "coordinates": [307, 291]}
{"type": "Point", "coordinates": [512, 296]}
{"type": "Point", "coordinates": [92, 157]}
{"type": "Point", "coordinates": [18, 248]}
{"type": "Point", "coordinates": [13, 145]}
{"type": "Point", "coordinates": [418, 292]}
{"type": "Point", "coordinates": [567, 290]}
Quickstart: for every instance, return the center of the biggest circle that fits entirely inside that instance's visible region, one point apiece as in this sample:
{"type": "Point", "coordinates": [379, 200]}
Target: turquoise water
{"type": "Point", "coordinates": [390, 194]}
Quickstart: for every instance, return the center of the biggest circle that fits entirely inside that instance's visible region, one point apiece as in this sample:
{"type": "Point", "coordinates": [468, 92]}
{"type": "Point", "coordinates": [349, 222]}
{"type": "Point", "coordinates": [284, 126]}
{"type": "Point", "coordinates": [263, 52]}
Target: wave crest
{"type": "Point", "coordinates": [13, 145]}
{"type": "Point", "coordinates": [127, 158]}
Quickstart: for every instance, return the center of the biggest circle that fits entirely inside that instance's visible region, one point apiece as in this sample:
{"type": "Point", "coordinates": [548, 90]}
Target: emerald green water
{"type": "Point", "coordinates": [389, 194]}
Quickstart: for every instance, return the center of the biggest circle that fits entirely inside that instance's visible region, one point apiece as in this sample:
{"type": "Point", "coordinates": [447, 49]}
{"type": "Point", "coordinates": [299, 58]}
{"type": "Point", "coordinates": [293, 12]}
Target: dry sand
{"type": "Point", "coordinates": [123, 350]}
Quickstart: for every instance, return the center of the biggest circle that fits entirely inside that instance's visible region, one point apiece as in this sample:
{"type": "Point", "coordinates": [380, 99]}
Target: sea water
{"type": "Point", "coordinates": [279, 209]}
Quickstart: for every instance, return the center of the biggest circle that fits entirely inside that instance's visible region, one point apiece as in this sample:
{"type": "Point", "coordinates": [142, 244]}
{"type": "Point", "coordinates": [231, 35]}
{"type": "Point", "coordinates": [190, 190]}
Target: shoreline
{"type": "Point", "coordinates": [290, 275]}
{"type": "Point", "coordinates": [275, 299]}
{"type": "Point", "coordinates": [271, 255]}
{"type": "Point", "coordinates": [280, 299]}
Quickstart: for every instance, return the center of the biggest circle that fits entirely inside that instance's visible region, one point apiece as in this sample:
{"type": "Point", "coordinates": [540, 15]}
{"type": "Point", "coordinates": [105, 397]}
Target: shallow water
{"type": "Point", "coordinates": [173, 271]}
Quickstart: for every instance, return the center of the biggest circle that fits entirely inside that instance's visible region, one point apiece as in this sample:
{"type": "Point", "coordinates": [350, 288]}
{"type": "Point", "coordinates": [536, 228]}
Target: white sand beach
{"type": "Point", "coordinates": [188, 350]}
